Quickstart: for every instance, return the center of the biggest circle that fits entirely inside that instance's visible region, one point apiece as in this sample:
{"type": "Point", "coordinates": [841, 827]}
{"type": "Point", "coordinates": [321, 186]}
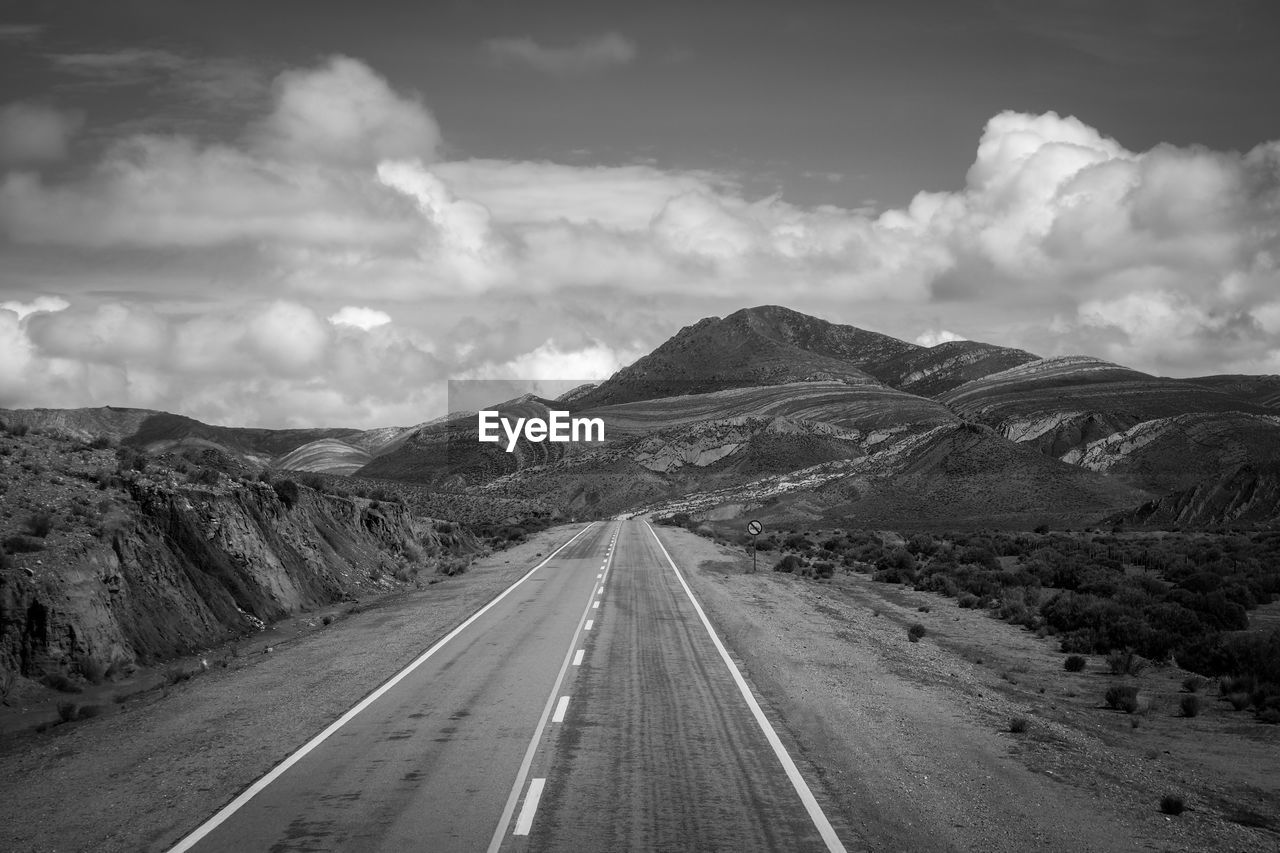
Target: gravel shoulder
{"type": "Point", "coordinates": [912, 741]}
{"type": "Point", "coordinates": [151, 769]}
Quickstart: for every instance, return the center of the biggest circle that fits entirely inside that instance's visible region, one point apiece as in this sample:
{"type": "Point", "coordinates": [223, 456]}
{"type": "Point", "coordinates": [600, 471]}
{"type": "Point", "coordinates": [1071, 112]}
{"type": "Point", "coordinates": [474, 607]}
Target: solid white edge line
{"type": "Point", "coordinates": [562, 708]}
{"type": "Point", "coordinates": [525, 822]}
{"type": "Point", "coordinates": [505, 820]}
{"type": "Point", "coordinates": [833, 842]}
{"type": "Point", "coordinates": [196, 835]}
{"type": "Point", "coordinates": [577, 657]}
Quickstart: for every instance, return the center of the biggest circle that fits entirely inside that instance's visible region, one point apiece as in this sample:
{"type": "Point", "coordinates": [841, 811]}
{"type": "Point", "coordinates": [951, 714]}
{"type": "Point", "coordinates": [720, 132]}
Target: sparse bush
{"type": "Point", "coordinates": [1074, 663]}
{"type": "Point", "coordinates": [326, 620]}
{"type": "Point", "coordinates": [175, 673]}
{"type": "Point", "coordinates": [1194, 683]}
{"type": "Point", "coordinates": [101, 442]}
{"type": "Point", "coordinates": [94, 670]}
{"type": "Point", "coordinates": [824, 568]}
{"type": "Point", "coordinates": [67, 711]}
{"type": "Point", "coordinates": [1190, 705]}
{"type": "Point", "coordinates": [39, 524]}
{"type": "Point", "coordinates": [1172, 804]}
{"type": "Point", "coordinates": [969, 601]}
{"type": "Point", "coordinates": [915, 632]}
{"type": "Point", "coordinates": [1239, 701]}
{"type": "Point", "coordinates": [1270, 716]}
{"type": "Point", "coordinates": [60, 682]}
{"type": "Point", "coordinates": [923, 608]}
{"type": "Point", "coordinates": [1122, 697]}
{"type": "Point", "coordinates": [89, 711]}
{"type": "Point", "coordinates": [1125, 663]}
{"type": "Point", "coordinates": [18, 430]}
{"type": "Point", "coordinates": [287, 491]}
{"type": "Point", "coordinates": [23, 544]}
{"type": "Point", "coordinates": [787, 564]}
{"type": "Point", "coordinates": [311, 480]}
{"type": "Point", "coordinates": [1018, 725]}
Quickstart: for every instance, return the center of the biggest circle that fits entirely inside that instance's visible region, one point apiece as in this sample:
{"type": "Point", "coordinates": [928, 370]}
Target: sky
{"type": "Point", "coordinates": [313, 213]}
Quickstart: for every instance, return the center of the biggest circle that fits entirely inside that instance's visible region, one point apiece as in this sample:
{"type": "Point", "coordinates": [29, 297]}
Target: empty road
{"type": "Point", "coordinates": [587, 708]}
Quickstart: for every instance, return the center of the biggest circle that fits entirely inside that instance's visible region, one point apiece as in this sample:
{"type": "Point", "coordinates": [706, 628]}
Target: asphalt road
{"type": "Point", "coordinates": [588, 708]}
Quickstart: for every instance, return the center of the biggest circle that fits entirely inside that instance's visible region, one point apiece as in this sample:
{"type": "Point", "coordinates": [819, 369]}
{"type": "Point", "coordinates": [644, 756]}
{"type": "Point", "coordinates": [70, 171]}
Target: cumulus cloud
{"type": "Point", "coordinates": [1060, 240]}
{"type": "Point", "coordinates": [933, 337]}
{"type": "Point", "coordinates": [37, 305]}
{"type": "Point", "coordinates": [32, 133]}
{"type": "Point", "coordinates": [589, 54]}
{"type": "Point", "coordinates": [550, 362]}
{"type": "Point", "coordinates": [359, 317]}
{"type": "Point", "coordinates": [345, 113]}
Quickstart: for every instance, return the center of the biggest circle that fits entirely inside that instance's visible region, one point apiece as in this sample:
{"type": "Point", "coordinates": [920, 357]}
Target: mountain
{"type": "Point", "coordinates": [938, 369]}
{"type": "Point", "coordinates": [1263, 390]}
{"type": "Point", "coordinates": [1062, 404]}
{"type": "Point", "coordinates": [768, 345]}
{"type": "Point", "coordinates": [784, 415]}
{"type": "Point", "coordinates": [1246, 494]}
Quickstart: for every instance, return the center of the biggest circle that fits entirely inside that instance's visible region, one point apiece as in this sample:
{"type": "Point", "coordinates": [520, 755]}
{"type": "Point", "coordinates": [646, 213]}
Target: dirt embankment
{"type": "Point", "coordinates": [913, 740]}
{"type": "Point", "coordinates": [107, 569]}
{"type": "Point", "coordinates": [154, 766]}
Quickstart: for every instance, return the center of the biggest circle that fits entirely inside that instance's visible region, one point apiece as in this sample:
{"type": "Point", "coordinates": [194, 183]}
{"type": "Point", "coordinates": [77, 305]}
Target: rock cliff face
{"type": "Point", "coordinates": [1247, 494]}
{"type": "Point", "coordinates": [142, 567]}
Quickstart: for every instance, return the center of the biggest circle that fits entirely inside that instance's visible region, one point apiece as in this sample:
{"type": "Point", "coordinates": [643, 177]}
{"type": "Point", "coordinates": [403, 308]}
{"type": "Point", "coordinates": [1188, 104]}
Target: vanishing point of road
{"type": "Point", "coordinates": [589, 707]}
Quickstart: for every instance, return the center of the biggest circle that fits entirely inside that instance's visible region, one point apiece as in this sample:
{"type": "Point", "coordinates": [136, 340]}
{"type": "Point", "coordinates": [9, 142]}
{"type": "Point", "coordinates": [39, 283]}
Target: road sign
{"type": "Point", "coordinates": [754, 527]}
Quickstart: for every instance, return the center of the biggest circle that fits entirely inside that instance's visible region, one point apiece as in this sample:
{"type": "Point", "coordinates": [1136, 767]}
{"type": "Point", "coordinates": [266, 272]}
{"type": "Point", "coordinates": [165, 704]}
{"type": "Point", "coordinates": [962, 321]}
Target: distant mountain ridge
{"type": "Point", "coordinates": [769, 410]}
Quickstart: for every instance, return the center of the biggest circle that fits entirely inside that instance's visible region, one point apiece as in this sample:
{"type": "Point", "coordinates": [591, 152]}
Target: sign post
{"type": "Point", "coordinates": [754, 528]}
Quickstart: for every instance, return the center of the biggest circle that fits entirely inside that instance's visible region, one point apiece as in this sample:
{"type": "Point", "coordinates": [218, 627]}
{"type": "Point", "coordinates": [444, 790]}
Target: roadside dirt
{"type": "Point", "coordinates": [913, 740]}
{"type": "Point", "coordinates": [151, 768]}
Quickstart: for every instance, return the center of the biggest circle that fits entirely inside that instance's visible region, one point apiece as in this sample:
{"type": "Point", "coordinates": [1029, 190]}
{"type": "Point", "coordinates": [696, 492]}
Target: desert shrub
{"type": "Point", "coordinates": [915, 632]}
{"type": "Point", "coordinates": [969, 601]}
{"type": "Point", "coordinates": [1194, 683]}
{"type": "Point", "coordinates": [1018, 725]}
{"type": "Point", "coordinates": [94, 670]}
{"type": "Point", "coordinates": [453, 566]}
{"type": "Point", "coordinates": [1239, 701]}
{"type": "Point", "coordinates": [1270, 716]}
{"type": "Point", "coordinates": [787, 564]}
{"type": "Point", "coordinates": [129, 459]}
{"type": "Point", "coordinates": [20, 544]}
{"type": "Point", "coordinates": [5, 560]}
{"type": "Point", "coordinates": [1190, 705]}
{"type": "Point", "coordinates": [60, 682]}
{"type": "Point", "coordinates": [1122, 697]}
{"type": "Point", "coordinates": [101, 442]}
{"type": "Point", "coordinates": [326, 620]}
{"type": "Point", "coordinates": [175, 673]}
{"type": "Point", "coordinates": [88, 712]}
{"type": "Point", "coordinates": [1074, 663]}
{"type": "Point", "coordinates": [265, 476]}
{"type": "Point", "coordinates": [1172, 804]}
{"type": "Point", "coordinates": [923, 608]}
{"type": "Point", "coordinates": [67, 711]}
{"type": "Point", "coordinates": [1125, 663]}
{"type": "Point", "coordinates": [287, 491]}
{"type": "Point", "coordinates": [824, 568]}
{"type": "Point", "coordinates": [311, 480]}
{"type": "Point", "coordinates": [39, 524]}
{"type": "Point", "coordinates": [404, 574]}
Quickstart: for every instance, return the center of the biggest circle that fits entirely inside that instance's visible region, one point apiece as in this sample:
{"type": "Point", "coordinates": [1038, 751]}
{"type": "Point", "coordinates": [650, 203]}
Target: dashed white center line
{"type": "Point", "coordinates": [525, 822]}
{"type": "Point", "coordinates": [577, 657]}
{"type": "Point", "coordinates": [561, 707]}
{"type": "Point", "coordinates": [587, 627]}
{"type": "Point", "coordinates": [595, 605]}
